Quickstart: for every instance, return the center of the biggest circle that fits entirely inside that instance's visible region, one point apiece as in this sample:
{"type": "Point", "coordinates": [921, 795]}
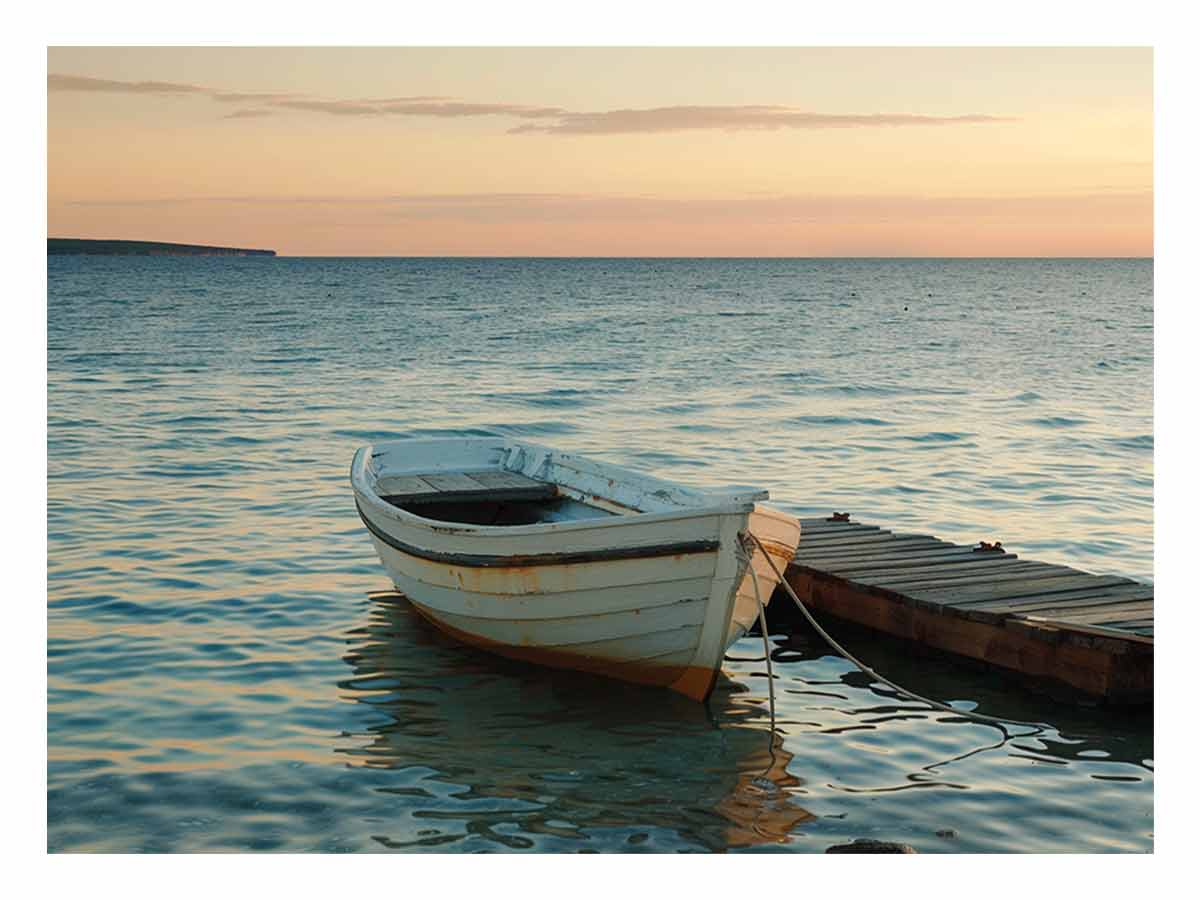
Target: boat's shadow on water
{"type": "Point", "coordinates": [529, 757]}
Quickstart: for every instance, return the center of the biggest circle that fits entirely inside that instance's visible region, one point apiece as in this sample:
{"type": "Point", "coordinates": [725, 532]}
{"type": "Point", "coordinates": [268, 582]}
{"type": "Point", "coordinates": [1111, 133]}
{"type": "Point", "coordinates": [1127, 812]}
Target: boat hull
{"type": "Point", "coordinates": [648, 599]}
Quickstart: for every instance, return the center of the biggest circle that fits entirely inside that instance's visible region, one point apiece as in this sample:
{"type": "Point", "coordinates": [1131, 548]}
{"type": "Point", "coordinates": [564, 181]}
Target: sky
{"type": "Point", "coordinates": [606, 151]}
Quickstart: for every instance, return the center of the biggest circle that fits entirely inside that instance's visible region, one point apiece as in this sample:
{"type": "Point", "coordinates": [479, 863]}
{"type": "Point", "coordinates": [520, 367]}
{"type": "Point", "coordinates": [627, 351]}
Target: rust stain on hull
{"type": "Point", "coordinates": [691, 681]}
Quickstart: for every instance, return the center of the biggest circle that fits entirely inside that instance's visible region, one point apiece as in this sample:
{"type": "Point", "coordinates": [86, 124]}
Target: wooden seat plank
{"type": "Point", "coordinates": [454, 482]}
{"type": "Point", "coordinates": [405, 485]}
{"type": "Point", "coordinates": [463, 487]}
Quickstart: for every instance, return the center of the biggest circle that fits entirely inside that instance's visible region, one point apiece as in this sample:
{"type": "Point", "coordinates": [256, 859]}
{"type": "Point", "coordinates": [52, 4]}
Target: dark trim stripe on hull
{"type": "Point", "coordinates": [539, 559]}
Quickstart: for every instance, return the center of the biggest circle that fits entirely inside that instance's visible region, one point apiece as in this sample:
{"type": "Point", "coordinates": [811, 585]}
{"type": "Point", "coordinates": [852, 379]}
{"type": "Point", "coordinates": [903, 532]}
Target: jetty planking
{"type": "Point", "coordinates": [1093, 633]}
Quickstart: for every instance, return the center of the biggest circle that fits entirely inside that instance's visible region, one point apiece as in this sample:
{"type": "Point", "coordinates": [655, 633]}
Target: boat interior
{"type": "Point", "coordinates": [491, 497]}
{"type": "Point", "coordinates": [511, 512]}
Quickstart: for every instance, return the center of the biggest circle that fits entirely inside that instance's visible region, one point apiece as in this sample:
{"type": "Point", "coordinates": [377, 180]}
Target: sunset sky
{"type": "Point", "coordinates": [607, 152]}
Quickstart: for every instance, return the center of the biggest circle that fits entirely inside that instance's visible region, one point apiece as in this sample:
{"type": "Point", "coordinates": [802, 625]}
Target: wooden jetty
{"type": "Point", "coordinates": [1093, 633]}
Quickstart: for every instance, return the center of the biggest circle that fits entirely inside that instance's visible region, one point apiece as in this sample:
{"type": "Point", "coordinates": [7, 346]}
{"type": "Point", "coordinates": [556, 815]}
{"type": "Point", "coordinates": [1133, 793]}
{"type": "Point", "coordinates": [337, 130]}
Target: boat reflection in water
{"type": "Point", "coordinates": [492, 752]}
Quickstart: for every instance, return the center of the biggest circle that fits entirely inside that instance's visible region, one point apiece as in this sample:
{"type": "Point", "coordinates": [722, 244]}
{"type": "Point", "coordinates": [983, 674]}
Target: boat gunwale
{"type": "Point", "coordinates": [575, 557]}
{"type": "Point", "coordinates": [365, 491]}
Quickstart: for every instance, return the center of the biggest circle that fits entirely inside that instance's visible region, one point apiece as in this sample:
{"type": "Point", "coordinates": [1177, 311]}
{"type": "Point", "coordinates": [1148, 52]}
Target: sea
{"type": "Point", "coordinates": [227, 672]}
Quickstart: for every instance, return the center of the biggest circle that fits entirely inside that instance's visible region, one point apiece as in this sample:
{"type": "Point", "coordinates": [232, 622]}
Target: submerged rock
{"type": "Point", "coordinates": [868, 845]}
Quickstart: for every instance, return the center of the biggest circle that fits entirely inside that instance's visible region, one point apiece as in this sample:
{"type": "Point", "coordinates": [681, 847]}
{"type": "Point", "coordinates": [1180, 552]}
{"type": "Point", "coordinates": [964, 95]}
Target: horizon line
{"type": "Point", "coordinates": [283, 255]}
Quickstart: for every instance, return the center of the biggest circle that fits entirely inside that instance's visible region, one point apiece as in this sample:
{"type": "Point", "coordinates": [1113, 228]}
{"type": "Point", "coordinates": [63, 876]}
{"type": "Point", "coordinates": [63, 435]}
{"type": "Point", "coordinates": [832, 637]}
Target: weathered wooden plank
{"type": "Point", "coordinates": [825, 522]}
{"type": "Point", "coordinates": [1141, 626]}
{"type": "Point", "coordinates": [1090, 598]}
{"type": "Point", "coordinates": [1104, 614]}
{"type": "Point", "coordinates": [893, 583]}
{"type": "Point", "coordinates": [454, 482]}
{"type": "Point", "coordinates": [889, 546]}
{"type": "Point", "coordinates": [917, 553]}
{"type": "Point", "coordinates": [437, 487]}
{"type": "Point", "coordinates": [1065, 585]}
{"type": "Point", "coordinates": [1122, 636]}
{"type": "Point", "coordinates": [405, 485]}
{"type": "Point", "coordinates": [1023, 571]}
{"type": "Point", "coordinates": [820, 526]}
{"type": "Point", "coordinates": [875, 543]}
{"type": "Point", "coordinates": [815, 531]}
{"type": "Point", "coordinates": [934, 569]}
{"type": "Point", "coordinates": [857, 540]}
{"type": "Point", "coordinates": [865, 566]}
{"type": "Point", "coordinates": [857, 534]}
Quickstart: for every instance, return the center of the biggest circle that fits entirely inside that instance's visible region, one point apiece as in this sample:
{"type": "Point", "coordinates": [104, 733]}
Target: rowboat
{"type": "Point", "coordinates": [570, 562]}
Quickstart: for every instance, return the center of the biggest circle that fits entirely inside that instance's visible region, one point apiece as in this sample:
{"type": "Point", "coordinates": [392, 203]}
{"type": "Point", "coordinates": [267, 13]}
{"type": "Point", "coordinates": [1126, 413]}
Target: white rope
{"type": "Point", "coordinates": [993, 720]}
{"type": "Point", "coordinates": [746, 554]}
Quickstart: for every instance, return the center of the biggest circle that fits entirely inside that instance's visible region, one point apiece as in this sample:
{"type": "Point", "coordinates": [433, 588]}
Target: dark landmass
{"type": "Point", "coordinates": [61, 246]}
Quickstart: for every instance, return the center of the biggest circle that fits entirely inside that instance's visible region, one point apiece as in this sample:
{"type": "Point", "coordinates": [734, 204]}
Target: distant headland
{"type": "Point", "coordinates": [62, 246]}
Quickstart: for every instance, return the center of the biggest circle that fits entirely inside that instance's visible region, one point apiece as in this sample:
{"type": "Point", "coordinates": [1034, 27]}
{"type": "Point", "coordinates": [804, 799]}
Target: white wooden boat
{"type": "Point", "coordinates": [570, 562]}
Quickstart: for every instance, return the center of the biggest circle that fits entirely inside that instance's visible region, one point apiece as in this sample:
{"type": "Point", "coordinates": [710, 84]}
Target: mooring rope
{"type": "Point", "coordinates": [979, 717]}
{"type": "Point", "coordinates": [745, 553]}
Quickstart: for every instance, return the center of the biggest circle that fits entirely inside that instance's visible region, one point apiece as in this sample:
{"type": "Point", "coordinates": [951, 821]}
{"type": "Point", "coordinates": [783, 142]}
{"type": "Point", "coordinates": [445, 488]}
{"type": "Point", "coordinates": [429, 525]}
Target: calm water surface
{"type": "Point", "coordinates": [223, 674]}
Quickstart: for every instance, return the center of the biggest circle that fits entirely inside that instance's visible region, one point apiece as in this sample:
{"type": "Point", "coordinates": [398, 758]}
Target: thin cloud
{"type": "Point", "coordinates": [434, 106]}
{"type": "Point", "coordinates": [331, 107]}
{"type": "Point", "coordinates": [457, 109]}
{"type": "Point", "coordinates": [383, 101]}
{"type": "Point", "coordinates": [248, 97]}
{"type": "Point", "coordinates": [83, 83]}
{"type": "Point", "coordinates": [732, 118]}
{"type": "Point", "coordinates": [551, 120]}
{"type": "Point", "coordinates": [250, 114]}
{"type": "Point", "coordinates": [107, 85]}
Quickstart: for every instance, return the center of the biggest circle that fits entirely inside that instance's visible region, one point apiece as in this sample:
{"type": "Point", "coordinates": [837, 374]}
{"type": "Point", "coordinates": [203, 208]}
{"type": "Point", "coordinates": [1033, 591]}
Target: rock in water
{"type": "Point", "coordinates": [867, 845]}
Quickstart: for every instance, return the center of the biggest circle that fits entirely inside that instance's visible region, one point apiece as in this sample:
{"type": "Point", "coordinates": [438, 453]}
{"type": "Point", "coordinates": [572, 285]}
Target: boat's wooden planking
{"type": "Point", "coordinates": [669, 668]}
{"type": "Point", "coordinates": [590, 635]}
{"type": "Point", "coordinates": [551, 605]}
{"type": "Point", "coordinates": [518, 579]}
